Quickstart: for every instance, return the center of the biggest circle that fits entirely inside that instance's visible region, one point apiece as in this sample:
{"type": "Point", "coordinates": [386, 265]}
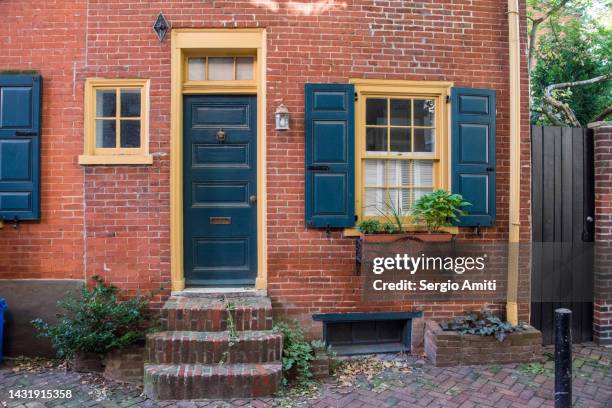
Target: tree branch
{"type": "Point", "coordinates": [551, 115]}
{"type": "Point", "coordinates": [603, 115]}
{"type": "Point", "coordinates": [563, 107]}
{"type": "Point", "coordinates": [535, 22]}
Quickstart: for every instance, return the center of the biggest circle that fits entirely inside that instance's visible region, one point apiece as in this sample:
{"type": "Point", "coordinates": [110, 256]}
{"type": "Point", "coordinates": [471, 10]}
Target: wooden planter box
{"type": "Point", "coordinates": [450, 348]}
{"type": "Point", "coordinates": [126, 365]}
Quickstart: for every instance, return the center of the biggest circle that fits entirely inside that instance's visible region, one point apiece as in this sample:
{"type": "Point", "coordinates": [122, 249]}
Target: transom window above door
{"type": "Point", "coordinates": [220, 68]}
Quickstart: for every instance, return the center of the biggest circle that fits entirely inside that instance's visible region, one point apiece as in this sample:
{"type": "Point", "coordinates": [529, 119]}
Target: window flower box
{"type": "Point", "coordinates": [388, 245]}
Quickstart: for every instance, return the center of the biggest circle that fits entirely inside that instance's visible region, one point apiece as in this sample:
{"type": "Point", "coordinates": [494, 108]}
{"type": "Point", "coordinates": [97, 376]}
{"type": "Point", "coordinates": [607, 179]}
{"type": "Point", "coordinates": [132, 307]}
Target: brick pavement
{"type": "Point", "coordinates": [514, 385]}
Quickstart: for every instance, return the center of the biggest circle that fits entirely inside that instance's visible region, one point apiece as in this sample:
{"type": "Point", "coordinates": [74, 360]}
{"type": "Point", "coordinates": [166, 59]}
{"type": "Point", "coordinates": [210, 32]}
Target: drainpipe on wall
{"type": "Point", "coordinates": [515, 160]}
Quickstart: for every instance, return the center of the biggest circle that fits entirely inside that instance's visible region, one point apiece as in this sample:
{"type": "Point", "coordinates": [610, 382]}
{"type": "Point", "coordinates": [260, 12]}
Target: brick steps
{"type": "Point", "coordinates": [189, 347]}
{"type": "Point", "coordinates": [185, 313]}
{"type": "Point", "coordinates": [198, 381]}
{"type": "Point", "coordinates": [195, 358]}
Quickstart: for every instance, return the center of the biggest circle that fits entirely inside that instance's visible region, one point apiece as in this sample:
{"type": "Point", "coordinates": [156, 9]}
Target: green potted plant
{"type": "Point", "coordinates": [437, 210]}
{"type": "Point", "coordinates": [95, 323]}
{"type": "Point", "coordinates": [389, 230]}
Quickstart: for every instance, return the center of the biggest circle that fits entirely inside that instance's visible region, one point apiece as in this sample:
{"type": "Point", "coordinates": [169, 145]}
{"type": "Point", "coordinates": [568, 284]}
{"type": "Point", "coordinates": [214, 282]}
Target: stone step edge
{"type": "Point", "coordinates": [215, 369]}
{"type": "Point", "coordinates": [213, 336]}
{"type": "Point", "coordinates": [190, 303]}
{"type": "Point", "coordinates": [195, 381]}
{"type": "Point", "coordinates": [192, 347]}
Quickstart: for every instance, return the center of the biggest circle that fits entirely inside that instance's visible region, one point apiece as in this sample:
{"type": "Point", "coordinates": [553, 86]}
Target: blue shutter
{"type": "Point", "coordinates": [473, 153]}
{"type": "Point", "coordinates": [330, 155]}
{"type": "Point", "coordinates": [20, 97]}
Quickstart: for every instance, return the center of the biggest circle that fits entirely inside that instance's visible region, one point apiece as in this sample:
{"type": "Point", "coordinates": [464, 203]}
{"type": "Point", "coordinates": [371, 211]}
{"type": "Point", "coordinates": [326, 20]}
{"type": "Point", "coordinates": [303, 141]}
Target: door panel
{"type": "Point", "coordinates": [219, 179]}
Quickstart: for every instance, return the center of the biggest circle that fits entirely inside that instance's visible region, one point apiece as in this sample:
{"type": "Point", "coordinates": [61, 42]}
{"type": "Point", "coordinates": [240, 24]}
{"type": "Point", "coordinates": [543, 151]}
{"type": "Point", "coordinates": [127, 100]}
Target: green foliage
{"type": "Point", "coordinates": [96, 322]}
{"type": "Point", "coordinates": [534, 369]}
{"type": "Point", "coordinates": [572, 46]}
{"type": "Point", "coordinates": [482, 323]}
{"type": "Point", "coordinates": [297, 352]}
{"type": "Point", "coordinates": [369, 226]}
{"type": "Point", "coordinates": [439, 209]}
{"type": "Point", "coordinates": [389, 228]}
{"type": "Point", "coordinates": [394, 216]}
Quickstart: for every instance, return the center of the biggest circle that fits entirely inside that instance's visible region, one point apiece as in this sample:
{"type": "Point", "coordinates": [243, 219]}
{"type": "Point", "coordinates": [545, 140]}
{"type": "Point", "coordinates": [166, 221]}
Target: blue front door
{"type": "Point", "coordinates": [220, 190]}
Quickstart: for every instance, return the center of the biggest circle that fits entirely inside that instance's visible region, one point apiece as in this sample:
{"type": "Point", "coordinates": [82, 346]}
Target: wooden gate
{"type": "Point", "coordinates": [563, 228]}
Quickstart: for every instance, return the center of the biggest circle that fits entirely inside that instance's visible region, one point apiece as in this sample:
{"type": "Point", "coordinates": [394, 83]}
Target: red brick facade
{"type": "Point", "coordinates": [114, 220]}
{"type": "Point", "coordinates": [602, 313]}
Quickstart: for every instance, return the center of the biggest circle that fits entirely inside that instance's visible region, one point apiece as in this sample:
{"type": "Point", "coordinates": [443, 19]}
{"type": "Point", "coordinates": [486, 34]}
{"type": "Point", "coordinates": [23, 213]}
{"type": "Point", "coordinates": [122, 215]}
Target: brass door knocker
{"type": "Point", "coordinates": [221, 136]}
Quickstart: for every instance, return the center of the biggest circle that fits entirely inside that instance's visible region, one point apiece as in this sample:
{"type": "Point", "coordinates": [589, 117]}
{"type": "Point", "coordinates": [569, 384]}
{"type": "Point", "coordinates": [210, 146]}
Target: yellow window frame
{"type": "Point", "coordinates": [438, 91]}
{"type": "Point", "coordinates": [117, 155]}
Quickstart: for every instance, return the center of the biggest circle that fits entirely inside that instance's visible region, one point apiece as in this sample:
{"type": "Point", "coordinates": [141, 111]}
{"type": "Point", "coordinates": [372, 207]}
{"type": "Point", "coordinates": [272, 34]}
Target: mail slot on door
{"type": "Point", "coordinates": [220, 220]}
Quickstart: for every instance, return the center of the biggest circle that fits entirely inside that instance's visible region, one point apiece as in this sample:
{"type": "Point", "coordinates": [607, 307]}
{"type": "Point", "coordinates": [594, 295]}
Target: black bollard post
{"type": "Point", "coordinates": [563, 358]}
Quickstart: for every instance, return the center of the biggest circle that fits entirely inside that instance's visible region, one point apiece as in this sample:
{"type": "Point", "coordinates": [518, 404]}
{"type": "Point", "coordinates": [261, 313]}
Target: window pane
{"type": "Point", "coordinates": [400, 139]}
{"type": "Point", "coordinates": [374, 173]}
{"type": "Point", "coordinates": [130, 103]}
{"type": "Point", "coordinates": [400, 112]}
{"type": "Point", "coordinates": [376, 112]}
{"type": "Point", "coordinates": [405, 200]}
{"type": "Point", "coordinates": [373, 201]}
{"type": "Point", "coordinates": [423, 140]}
{"type": "Point", "coordinates": [398, 173]}
{"type": "Point", "coordinates": [244, 68]}
{"type": "Point", "coordinates": [220, 68]}
{"type": "Point", "coordinates": [106, 102]}
{"type": "Point", "coordinates": [376, 139]}
{"type": "Point", "coordinates": [106, 134]}
{"type": "Point", "coordinates": [195, 67]}
{"type": "Point", "coordinates": [424, 112]}
{"type": "Point", "coordinates": [422, 173]}
{"type": "Point", "coordinates": [130, 133]}
{"type": "Point", "coordinates": [393, 202]}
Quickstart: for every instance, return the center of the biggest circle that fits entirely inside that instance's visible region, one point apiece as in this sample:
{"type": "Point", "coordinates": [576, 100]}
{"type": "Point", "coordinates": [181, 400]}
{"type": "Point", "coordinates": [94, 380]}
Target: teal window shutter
{"type": "Point", "coordinates": [473, 153]}
{"type": "Point", "coordinates": [330, 159]}
{"type": "Point", "coordinates": [20, 99]}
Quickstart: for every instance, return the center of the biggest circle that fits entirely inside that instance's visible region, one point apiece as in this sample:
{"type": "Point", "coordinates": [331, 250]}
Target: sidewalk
{"type": "Point", "coordinates": [403, 382]}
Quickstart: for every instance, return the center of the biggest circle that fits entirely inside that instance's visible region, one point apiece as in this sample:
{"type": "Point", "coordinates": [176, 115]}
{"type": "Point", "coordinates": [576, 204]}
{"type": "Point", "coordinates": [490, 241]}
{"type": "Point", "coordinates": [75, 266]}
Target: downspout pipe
{"type": "Point", "coordinates": [515, 160]}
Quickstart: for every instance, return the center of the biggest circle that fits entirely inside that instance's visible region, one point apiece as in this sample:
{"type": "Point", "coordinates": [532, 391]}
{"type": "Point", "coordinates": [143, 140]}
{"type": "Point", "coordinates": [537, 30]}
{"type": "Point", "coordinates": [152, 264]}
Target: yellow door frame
{"type": "Point", "coordinates": [191, 41]}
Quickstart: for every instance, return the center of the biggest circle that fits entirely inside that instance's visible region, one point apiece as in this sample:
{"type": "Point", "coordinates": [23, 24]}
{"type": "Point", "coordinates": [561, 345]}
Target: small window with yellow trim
{"type": "Point", "coordinates": [116, 122]}
{"type": "Point", "coordinates": [401, 147]}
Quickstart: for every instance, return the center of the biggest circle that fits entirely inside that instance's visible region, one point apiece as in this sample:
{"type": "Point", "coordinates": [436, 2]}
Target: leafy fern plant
{"type": "Point", "coordinates": [439, 209]}
{"type": "Point", "coordinates": [297, 352]}
{"type": "Point", "coordinates": [483, 323]}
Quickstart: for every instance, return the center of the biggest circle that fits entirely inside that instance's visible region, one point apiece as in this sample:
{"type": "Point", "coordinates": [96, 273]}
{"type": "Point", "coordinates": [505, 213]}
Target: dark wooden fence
{"type": "Point", "coordinates": [562, 228]}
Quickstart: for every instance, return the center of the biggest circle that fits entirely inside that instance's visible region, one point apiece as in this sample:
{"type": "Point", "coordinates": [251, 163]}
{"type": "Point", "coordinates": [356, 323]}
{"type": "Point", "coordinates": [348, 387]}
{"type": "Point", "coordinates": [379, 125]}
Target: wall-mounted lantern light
{"type": "Point", "coordinates": [282, 117]}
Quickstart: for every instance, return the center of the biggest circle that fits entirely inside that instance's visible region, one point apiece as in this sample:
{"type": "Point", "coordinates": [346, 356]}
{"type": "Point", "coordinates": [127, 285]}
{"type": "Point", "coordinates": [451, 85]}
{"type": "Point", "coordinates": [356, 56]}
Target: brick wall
{"type": "Point", "coordinates": [450, 348]}
{"type": "Point", "coordinates": [114, 220]}
{"type": "Point", "coordinates": [602, 313]}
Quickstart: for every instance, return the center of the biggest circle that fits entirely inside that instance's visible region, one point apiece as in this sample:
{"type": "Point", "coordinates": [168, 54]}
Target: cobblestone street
{"type": "Point", "coordinates": [418, 384]}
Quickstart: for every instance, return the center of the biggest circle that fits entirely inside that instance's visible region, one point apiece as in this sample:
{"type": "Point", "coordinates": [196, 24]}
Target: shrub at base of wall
{"type": "Point", "coordinates": [451, 348]}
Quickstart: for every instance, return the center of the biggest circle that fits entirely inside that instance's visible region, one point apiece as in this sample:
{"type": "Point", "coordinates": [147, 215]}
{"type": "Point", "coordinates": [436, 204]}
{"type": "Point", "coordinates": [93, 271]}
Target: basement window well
{"type": "Point", "coordinates": [367, 333]}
